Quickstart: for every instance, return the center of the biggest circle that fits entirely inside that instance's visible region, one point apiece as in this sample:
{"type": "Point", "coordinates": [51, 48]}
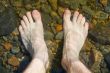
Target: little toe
{"type": "Point", "coordinates": [75, 16]}
{"type": "Point", "coordinates": [83, 21]}
{"type": "Point", "coordinates": [23, 25]}
{"type": "Point", "coordinates": [67, 15]}
{"type": "Point", "coordinates": [79, 18]}
{"type": "Point", "coordinates": [21, 30]}
{"type": "Point", "coordinates": [86, 27]}
{"type": "Point", "coordinates": [36, 15]}
{"type": "Point", "coordinates": [26, 20]}
{"type": "Point", "coordinates": [29, 16]}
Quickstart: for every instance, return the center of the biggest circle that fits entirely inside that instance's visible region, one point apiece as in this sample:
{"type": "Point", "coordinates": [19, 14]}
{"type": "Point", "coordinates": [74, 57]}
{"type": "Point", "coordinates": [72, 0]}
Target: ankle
{"type": "Point", "coordinates": [67, 63]}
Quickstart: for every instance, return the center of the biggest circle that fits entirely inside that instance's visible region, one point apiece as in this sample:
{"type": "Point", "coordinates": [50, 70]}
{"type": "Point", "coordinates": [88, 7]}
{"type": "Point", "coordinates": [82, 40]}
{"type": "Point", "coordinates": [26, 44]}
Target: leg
{"type": "Point", "coordinates": [75, 33]}
{"type": "Point", "coordinates": [31, 30]}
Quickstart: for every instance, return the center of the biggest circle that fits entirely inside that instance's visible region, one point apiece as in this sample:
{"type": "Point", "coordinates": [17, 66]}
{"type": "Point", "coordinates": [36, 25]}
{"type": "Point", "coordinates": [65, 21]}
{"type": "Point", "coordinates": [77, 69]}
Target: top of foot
{"type": "Point", "coordinates": [75, 33]}
{"type": "Point", "coordinates": [31, 30]}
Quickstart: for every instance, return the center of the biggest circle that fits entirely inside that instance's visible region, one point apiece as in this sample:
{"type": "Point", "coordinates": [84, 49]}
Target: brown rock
{"type": "Point", "coordinates": [104, 2]}
{"type": "Point", "coordinates": [7, 46]}
{"type": "Point", "coordinates": [59, 27]}
{"type": "Point", "coordinates": [13, 61]}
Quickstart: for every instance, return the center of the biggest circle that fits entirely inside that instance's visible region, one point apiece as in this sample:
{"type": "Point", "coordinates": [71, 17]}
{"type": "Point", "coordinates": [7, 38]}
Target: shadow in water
{"type": "Point", "coordinates": [56, 62]}
{"type": "Point", "coordinates": [26, 60]}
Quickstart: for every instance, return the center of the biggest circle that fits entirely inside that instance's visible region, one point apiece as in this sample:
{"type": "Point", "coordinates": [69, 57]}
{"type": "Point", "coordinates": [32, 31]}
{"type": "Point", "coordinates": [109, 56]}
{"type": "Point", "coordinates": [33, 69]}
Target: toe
{"type": "Point", "coordinates": [21, 30]}
{"type": "Point", "coordinates": [29, 16]}
{"type": "Point", "coordinates": [86, 27]}
{"type": "Point", "coordinates": [75, 16]}
{"type": "Point", "coordinates": [26, 20]}
{"type": "Point", "coordinates": [67, 15]}
{"type": "Point", "coordinates": [36, 15]}
{"type": "Point", "coordinates": [23, 25]}
{"type": "Point", "coordinates": [79, 18]}
{"type": "Point", "coordinates": [83, 21]}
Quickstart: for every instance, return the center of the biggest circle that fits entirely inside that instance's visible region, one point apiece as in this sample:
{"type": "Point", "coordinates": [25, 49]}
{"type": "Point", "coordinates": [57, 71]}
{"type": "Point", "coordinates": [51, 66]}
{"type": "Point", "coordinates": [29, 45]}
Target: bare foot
{"type": "Point", "coordinates": [75, 33]}
{"type": "Point", "coordinates": [31, 30]}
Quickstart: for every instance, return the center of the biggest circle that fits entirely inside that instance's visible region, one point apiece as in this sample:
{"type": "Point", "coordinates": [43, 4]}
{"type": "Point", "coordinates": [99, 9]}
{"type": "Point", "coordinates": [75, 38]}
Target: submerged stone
{"type": "Point", "coordinates": [101, 15]}
{"type": "Point", "coordinates": [53, 4]}
{"type": "Point", "coordinates": [59, 36]}
{"type": "Point", "coordinates": [100, 34]}
{"type": "Point", "coordinates": [107, 60]}
{"type": "Point", "coordinates": [88, 10]}
{"type": "Point", "coordinates": [104, 2]}
{"type": "Point", "coordinates": [48, 35]}
{"type": "Point", "coordinates": [8, 21]}
{"type": "Point", "coordinates": [15, 50]}
{"type": "Point", "coordinates": [73, 4]}
{"type": "Point", "coordinates": [107, 9]}
{"type": "Point", "coordinates": [13, 61]}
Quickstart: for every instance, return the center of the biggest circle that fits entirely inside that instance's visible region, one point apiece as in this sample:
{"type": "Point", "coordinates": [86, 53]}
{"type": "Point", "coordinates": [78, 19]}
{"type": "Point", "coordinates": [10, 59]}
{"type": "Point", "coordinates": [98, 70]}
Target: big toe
{"type": "Point", "coordinates": [36, 15]}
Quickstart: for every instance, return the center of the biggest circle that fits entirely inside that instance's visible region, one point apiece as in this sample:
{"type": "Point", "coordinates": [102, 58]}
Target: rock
{"type": "Point", "coordinates": [2, 8]}
{"type": "Point", "coordinates": [46, 8]}
{"type": "Point", "coordinates": [59, 36]}
{"type": "Point", "coordinates": [82, 2]}
{"type": "Point", "coordinates": [3, 70]}
{"type": "Point", "coordinates": [54, 16]}
{"type": "Point", "coordinates": [1, 52]}
{"type": "Point", "coordinates": [15, 50]}
{"type": "Point", "coordinates": [107, 9]}
{"type": "Point", "coordinates": [105, 49]}
{"type": "Point", "coordinates": [53, 4]}
{"type": "Point", "coordinates": [101, 15]}
{"type": "Point", "coordinates": [8, 21]}
{"type": "Point", "coordinates": [104, 2]}
{"type": "Point", "coordinates": [16, 3]}
{"type": "Point", "coordinates": [22, 12]}
{"type": "Point", "coordinates": [47, 19]}
{"type": "Point", "coordinates": [107, 60]}
{"type": "Point", "coordinates": [88, 10]}
{"type": "Point", "coordinates": [61, 11]}
{"type": "Point", "coordinates": [73, 4]}
{"type": "Point", "coordinates": [8, 46]}
{"type": "Point", "coordinates": [13, 61]}
{"type": "Point", "coordinates": [48, 35]}
{"type": "Point", "coordinates": [88, 46]}
{"type": "Point", "coordinates": [59, 27]}
{"type": "Point", "coordinates": [98, 34]}
{"type": "Point", "coordinates": [27, 4]}
{"type": "Point", "coordinates": [98, 57]}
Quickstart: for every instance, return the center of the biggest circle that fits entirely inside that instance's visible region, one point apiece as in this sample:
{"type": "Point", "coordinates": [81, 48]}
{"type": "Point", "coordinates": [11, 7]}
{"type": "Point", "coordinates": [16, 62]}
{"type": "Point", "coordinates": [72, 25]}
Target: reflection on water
{"type": "Point", "coordinates": [14, 58]}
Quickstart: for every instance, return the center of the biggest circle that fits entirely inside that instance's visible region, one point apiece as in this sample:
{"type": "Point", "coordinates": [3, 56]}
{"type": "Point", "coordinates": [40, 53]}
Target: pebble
{"type": "Point", "coordinates": [15, 50]}
{"type": "Point", "coordinates": [8, 46]}
{"type": "Point", "coordinates": [104, 2]}
{"type": "Point", "coordinates": [73, 4]}
{"type": "Point", "coordinates": [107, 9]}
{"type": "Point", "coordinates": [53, 4]}
{"type": "Point", "coordinates": [16, 3]}
{"type": "Point", "coordinates": [107, 60]}
{"type": "Point", "coordinates": [59, 27]}
{"type": "Point", "coordinates": [61, 11]}
{"type": "Point", "coordinates": [46, 8]}
{"type": "Point", "coordinates": [48, 35]}
{"type": "Point", "coordinates": [13, 61]}
{"type": "Point", "coordinates": [101, 15]}
{"type": "Point", "coordinates": [88, 10]}
{"type": "Point", "coordinates": [59, 36]}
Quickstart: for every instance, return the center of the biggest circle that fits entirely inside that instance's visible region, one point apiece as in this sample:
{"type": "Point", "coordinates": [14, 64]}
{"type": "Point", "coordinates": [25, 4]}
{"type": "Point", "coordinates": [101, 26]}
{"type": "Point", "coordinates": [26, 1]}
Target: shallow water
{"type": "Point", "coordinates": [13, 56]}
